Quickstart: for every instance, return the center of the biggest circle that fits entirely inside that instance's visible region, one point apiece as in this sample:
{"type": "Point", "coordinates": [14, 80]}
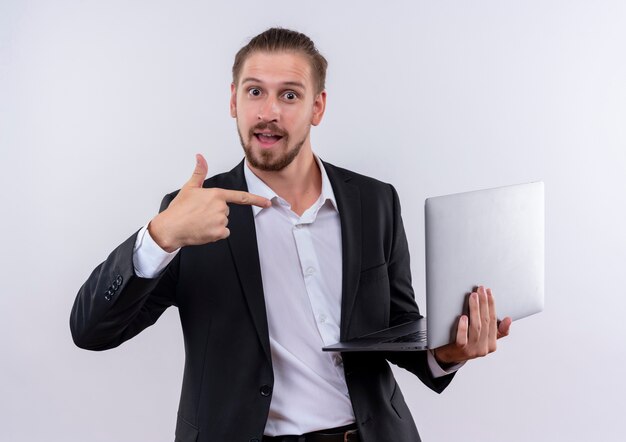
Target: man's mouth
{"type": "Point", "coordinates": [267, 139]}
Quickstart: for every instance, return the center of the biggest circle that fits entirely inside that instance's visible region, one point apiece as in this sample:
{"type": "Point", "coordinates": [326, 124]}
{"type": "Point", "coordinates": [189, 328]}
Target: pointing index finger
{"type": "Point", "coordinates": [245, 198]}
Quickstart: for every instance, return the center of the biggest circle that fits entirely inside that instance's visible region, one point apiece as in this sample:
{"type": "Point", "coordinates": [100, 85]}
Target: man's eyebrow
{"type": "Point", "coordinates": [294, 84]}
{"type": "Point", "coordinates": [286, 83]}
{"type": "Point", "coordinates": [250, 80]}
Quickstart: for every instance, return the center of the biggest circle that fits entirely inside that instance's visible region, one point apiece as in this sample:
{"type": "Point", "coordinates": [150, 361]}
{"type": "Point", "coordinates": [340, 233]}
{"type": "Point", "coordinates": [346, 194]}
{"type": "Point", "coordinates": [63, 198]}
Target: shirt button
{"type": "Point", "coordinates": [265, 390]}
{"type": "Point", "coordinates": [322, 318]}
{"type": "Point", "coordinates": [338, 360]}
{"type": "Point", "coordinates": [310, 271]}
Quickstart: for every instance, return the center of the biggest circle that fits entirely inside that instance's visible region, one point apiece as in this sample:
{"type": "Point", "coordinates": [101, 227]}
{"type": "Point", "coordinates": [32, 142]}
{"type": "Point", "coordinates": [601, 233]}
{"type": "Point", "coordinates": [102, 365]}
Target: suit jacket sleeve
{"type": "Point", "coordinates": [114, 304]}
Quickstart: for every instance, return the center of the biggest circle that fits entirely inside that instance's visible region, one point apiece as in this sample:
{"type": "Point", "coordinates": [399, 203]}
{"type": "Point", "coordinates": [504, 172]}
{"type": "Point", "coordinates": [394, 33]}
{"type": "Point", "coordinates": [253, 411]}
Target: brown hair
{"type": "Point", "coordinates": [284, 40]}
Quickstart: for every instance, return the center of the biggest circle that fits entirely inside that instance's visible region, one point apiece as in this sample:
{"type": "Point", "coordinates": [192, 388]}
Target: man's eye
{"type": "Point", "coordinates": [290, 96]}
{"type": "Point", "coordinates": [254, 92]}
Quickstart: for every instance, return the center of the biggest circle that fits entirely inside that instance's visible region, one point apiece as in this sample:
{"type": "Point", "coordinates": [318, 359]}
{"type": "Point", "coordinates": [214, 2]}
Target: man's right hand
{"type": "Point", "coordinates": [198, 215]}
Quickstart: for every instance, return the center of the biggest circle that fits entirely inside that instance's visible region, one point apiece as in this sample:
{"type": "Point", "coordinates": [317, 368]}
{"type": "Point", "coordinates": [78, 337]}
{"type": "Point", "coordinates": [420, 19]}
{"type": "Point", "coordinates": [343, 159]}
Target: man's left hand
{"type": "Point", "coordinates": [476, 336]}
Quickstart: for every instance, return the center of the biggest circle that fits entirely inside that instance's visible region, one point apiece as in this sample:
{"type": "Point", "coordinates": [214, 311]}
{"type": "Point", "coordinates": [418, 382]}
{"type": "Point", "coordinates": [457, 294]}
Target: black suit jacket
{"type": "Point", "coordinates": [217, 288]}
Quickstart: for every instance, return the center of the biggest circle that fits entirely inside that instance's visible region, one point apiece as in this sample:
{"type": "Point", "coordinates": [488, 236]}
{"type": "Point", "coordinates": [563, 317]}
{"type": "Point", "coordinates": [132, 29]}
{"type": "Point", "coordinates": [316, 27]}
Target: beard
{"type": "Point", "coordinates": [267, 159]}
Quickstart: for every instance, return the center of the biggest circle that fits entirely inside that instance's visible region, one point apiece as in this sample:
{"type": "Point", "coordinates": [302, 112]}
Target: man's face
{"type": "Point", "coordinates": [275, 104]}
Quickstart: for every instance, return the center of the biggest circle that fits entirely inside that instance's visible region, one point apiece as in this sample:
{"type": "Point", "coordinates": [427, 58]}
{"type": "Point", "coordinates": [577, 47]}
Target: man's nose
{"type": "Point", "coordinates": [269, 110]}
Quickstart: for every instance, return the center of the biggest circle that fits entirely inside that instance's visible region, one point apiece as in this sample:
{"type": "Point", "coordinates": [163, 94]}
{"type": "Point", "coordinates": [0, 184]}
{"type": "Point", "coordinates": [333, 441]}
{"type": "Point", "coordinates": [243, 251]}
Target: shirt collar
{"type": "Point", "coordinates": [258, 187]}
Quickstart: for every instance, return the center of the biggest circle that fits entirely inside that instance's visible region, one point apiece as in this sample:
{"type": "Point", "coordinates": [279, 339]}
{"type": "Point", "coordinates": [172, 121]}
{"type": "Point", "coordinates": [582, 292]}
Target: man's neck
{"type": "Point", "coordinates": [300, 183]}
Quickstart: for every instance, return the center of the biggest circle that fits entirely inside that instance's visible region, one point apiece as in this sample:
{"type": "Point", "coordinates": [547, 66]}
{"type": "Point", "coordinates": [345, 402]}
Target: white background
{"type": "Point", "coordinates": [104, 103]}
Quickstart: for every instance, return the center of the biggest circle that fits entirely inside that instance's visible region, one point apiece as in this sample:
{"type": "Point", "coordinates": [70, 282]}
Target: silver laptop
{"type": "Point", "coordinates": [492, 237]}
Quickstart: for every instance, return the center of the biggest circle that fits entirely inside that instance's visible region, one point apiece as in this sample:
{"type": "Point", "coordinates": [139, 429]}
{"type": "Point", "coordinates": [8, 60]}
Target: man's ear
{"type": "Point", "coordinates": [233, 100]}
{"type": "Point", "coordinates": [319, 106]}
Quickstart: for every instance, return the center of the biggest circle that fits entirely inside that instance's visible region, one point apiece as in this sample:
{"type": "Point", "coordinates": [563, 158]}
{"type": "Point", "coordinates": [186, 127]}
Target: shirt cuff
{"type": "Point", "coordinates": [436, 369]}
{"type": "Point", "coordinates": [149, 259]}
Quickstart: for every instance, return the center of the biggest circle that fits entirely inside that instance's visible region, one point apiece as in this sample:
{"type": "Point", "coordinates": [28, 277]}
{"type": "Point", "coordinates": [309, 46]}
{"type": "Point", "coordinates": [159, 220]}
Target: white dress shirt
{"type": "Point", "coordinates": [301, 262]}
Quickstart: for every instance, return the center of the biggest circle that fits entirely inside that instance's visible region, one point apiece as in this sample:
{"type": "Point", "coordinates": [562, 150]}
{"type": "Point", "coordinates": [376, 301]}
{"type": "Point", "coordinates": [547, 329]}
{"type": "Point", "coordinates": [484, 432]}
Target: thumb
{"type": "Point", "coordinates": [199, 173]}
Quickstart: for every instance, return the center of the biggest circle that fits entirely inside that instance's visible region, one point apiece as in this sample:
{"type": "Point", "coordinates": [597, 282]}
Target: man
{"type": "Point", "coordinates": [269, 262]}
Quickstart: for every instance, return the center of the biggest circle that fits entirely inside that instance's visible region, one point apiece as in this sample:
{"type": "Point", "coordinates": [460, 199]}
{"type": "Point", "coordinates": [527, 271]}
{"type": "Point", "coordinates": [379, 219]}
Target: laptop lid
{"type": "Point", "coordinates": [492, 237]}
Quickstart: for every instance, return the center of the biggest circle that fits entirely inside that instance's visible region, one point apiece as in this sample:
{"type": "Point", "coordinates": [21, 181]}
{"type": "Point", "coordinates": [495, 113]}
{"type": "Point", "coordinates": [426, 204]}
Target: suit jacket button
{"type": "Point", "coordinates": [266, 390]}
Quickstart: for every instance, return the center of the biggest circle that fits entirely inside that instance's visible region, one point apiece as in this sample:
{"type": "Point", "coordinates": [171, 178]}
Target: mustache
{"type": "Point", "coordinates": [268, 126]}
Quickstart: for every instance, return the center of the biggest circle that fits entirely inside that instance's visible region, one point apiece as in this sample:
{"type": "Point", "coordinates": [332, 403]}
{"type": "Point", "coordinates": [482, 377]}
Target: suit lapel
{"type": "Point", "coordinates": [349, 205]}
{"type": "Point", "coordinates": [243, 246]}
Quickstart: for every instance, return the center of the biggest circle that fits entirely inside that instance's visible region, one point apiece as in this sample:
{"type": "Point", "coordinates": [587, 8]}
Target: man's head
{"type": "Point", "coordinates": [276, 95]}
